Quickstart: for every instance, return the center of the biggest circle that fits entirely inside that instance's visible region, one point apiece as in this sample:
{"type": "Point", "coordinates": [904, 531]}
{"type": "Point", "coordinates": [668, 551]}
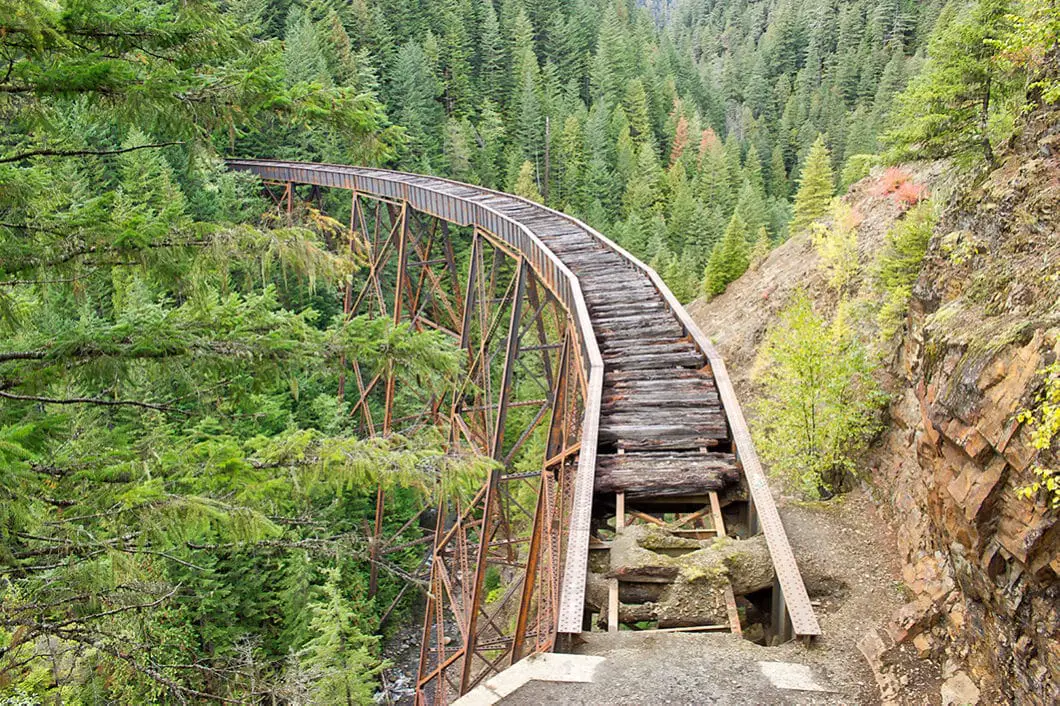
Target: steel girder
{"type": "Point", "coordinates": [497, 560]}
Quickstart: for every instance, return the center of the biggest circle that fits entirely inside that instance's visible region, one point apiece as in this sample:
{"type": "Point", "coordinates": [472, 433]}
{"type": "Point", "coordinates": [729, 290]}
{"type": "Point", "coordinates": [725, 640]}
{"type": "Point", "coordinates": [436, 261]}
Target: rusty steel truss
{"type": "Point", "coordinates": [498, 559]}
{"type": "Point", "coordinates": [508, 566]}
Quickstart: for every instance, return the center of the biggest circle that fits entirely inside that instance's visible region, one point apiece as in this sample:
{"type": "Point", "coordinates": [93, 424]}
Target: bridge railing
{"type": "Point", "coordinates": [793, 611]}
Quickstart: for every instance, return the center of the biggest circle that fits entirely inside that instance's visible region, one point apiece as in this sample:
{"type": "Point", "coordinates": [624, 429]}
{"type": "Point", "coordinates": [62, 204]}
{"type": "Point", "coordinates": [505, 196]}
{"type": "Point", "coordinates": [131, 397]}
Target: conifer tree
{"type": "Point", "coordinates": [729, 258]}
{"type": "Point", "coordinates": [713, 184]}
{"type": "Point", "coordinates": [778, 175]}
{"type": "Point", "coordinates": [414, 90]}
{"type": "Point", "coordinates": [490, 54]}
{"type": "Point", "coordinates": [752, 208]}
{"type": "Point", "coordinates": [948, 109]}
{"type": "Point", "coordinates": [760, 248]}
{"type": "Point", "coordinates": [489, 136]}
{"type": "Point", "coordinates": [526, 183]}
{"type": "Point", "coordinates": [303, 53]}
{"type": "Point", "coordinates": [816, 187]}
{"type": "Point", "coordinates": [571, 159]}
{"type": "Point", "coordinates": [642, 190]}
{"type": "Point", "coordinates": [752, 170]}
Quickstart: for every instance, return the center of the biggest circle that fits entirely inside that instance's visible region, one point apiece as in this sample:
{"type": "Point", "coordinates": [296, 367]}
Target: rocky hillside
{"type": "Point", "coordinates": [981, 562]}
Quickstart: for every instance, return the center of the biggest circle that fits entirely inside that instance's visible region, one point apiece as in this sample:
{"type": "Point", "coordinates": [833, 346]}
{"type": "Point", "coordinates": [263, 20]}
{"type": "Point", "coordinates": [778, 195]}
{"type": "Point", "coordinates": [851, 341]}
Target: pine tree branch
{"type": "Point", "coordinates": [85, 153]}
{"type": "Point", "coordinates": [27, 282]}
{"type": "Point", "coordinates": [91, 250]}
{"type": "Point", "coordinates": [21, 355]}
{"type": "Point", "coordinates": [87, 400]}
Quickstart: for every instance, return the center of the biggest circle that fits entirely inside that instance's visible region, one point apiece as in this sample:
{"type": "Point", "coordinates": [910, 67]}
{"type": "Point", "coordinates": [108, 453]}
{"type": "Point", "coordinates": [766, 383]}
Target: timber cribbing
{"type": "Point", "coordinates": [658, 394]}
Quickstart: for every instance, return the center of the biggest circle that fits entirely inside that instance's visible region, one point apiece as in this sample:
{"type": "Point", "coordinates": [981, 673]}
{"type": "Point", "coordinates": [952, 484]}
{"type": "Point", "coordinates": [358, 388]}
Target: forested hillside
{"type": "Point", "coordinates": [661, 135]}
{"type": "Point", "coordinates": [184, 496]}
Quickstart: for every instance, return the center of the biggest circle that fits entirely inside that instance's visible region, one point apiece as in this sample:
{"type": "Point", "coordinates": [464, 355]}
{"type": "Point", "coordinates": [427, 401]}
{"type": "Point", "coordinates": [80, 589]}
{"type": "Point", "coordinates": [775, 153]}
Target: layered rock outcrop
{"type": "Point", "coordinates": [984, 320]}
{"type": "Point", "coordinates": [981, 561]}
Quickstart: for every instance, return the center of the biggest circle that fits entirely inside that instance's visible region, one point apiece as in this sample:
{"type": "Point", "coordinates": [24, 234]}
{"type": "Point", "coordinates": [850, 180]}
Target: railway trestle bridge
{"type": "Point", "coordinates": [573, 347]}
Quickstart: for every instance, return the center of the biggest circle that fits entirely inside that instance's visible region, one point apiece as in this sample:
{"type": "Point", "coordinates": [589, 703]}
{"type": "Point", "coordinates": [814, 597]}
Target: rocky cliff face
{"type": "Point", "coordinates": [981, 562]}
{"type": "Point", "coordinates": [984, 319]}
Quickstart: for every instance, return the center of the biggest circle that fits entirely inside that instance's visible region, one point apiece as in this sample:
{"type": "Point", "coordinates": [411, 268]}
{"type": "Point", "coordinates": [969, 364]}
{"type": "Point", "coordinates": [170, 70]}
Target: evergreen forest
{"type": "Point", "coordinates": [184, 494]}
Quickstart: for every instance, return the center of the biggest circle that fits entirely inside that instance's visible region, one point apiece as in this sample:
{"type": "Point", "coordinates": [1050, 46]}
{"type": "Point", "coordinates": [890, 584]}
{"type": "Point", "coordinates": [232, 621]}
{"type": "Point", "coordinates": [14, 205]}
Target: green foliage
{"type": "Point", "coordinates": [819, 402]}
{"type": "Point", "coordinates": [837, 245]}
{"type": "Point", "coordinates": [728, 260]}
{"type": "Point", "coordinates": [959, 105]}
{"type": "Point", "coordinates": [816, 187]}
{"type": "Point", "coordinates": [176, 462]}
{"type": "Point", "coordinates": [1044, 422]}
{"type": "Point", "coordinates": [898, 265]}
{"type": "Point", "coordinates": [856, 168]}
{"type": "Point", "coordinates": [1030, 49]}
{"type": "Point", "coordinates": [526, 184]}
{"type": "Point", "coordinates": [338, 663]}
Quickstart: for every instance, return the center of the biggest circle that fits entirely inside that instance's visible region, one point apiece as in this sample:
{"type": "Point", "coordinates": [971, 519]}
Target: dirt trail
{"type": "Point", "coordinates": [848, 559]}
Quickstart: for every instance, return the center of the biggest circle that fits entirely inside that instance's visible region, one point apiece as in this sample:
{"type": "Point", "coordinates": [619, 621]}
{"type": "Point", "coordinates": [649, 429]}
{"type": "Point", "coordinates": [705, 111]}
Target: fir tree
{"type": "Point", "coordinates": [778, 175]}
{"type": "Point", "coordinates": [414, 90]}
{"type": "Point", "coordinates": [728, 260]}
{"type": "Point", "coordinates": [816, 187]}
{"type": "Point", "coordinates": [526, 183]}
{"type": "Point", "coordinates": [303, 54]}
{"type": "Point", "coordinates": [948, 110]}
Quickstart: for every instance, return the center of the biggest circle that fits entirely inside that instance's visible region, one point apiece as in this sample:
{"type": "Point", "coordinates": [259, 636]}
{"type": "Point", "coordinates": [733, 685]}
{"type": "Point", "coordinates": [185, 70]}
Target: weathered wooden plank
{"type": "Point", "coordinates": [625, 303]}
{"type": "Point", "coordinates": [690, 360]}
{"type": "Point", "coordinates": [656, 330]}
{"type": "Point", "coordinates": [656, 342]}
{"type": "Point", "coordinates": [664, 479]}
{"type": "Point", "coordinates": [676, 443]}
{"type": "Point", "coordinates": [649, 344]}
{"type": "Point", "coordinates": [666, 400]}
{"type": "Point", "coordinates": [732, 611]}
{"type": "Point", "coordinates": [616, 378]}
{"type": "Point", "coordinates": [649, 459]}
{"type": "Point", "coordinates": [698, 419]}
{"type": "Point", "coordinates": [659, 432]}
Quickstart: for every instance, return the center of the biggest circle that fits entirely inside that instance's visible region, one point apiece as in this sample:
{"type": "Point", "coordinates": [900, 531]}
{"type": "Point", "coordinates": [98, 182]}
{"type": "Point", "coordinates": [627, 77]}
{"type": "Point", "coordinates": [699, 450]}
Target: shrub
{"type": "Point", "coordinates": [1044, 421]}
{"type": "Point", "coordinates": [899, 265]}
{"type": "Point", "coordinates": [837, 244]}
{"type": "Point", "coordinates": [909, 194]}
{"type": "Point", "coordinates": [855, 169]}
{"type": "Point", "coordinates": [819, 402]}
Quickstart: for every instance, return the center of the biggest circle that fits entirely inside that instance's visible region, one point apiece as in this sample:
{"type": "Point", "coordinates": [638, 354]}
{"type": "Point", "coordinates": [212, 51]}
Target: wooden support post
{"type": "Point", "coordinates": [734, 613]}
{"type": "Point", "coordinates": [620, 511]}
{"type": "Point", "coordinates": [715, 511]}
{"type": "Point", "coordinates": [612, 605]}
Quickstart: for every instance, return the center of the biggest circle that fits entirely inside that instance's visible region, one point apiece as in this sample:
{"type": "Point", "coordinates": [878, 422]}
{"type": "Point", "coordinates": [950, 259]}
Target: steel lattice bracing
{"type": "Point", "coordinates": [572, 338]}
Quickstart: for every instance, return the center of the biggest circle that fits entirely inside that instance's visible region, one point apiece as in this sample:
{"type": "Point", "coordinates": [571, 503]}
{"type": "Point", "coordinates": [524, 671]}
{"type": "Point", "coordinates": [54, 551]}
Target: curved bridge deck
{"type": "Point", "coordinates": [661, 417]}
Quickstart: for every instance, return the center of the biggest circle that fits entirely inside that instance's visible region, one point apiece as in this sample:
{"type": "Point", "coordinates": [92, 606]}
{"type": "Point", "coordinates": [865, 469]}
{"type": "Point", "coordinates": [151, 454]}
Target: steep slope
{"type": "Point", "coordinates": [983, 321]}
{"type": "Point", "coordinates": [980, 561]}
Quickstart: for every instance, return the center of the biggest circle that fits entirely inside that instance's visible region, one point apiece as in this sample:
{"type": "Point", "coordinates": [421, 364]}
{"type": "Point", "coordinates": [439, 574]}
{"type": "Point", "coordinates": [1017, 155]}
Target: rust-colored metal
{"type": "Point", "coordinates": [496, 567]}
{"type": "Point", "coordinates": [508, 566]}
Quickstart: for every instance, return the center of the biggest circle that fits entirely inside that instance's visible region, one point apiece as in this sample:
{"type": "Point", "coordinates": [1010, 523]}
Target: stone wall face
{"type": "Point", "coordinates": [981, 560]}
